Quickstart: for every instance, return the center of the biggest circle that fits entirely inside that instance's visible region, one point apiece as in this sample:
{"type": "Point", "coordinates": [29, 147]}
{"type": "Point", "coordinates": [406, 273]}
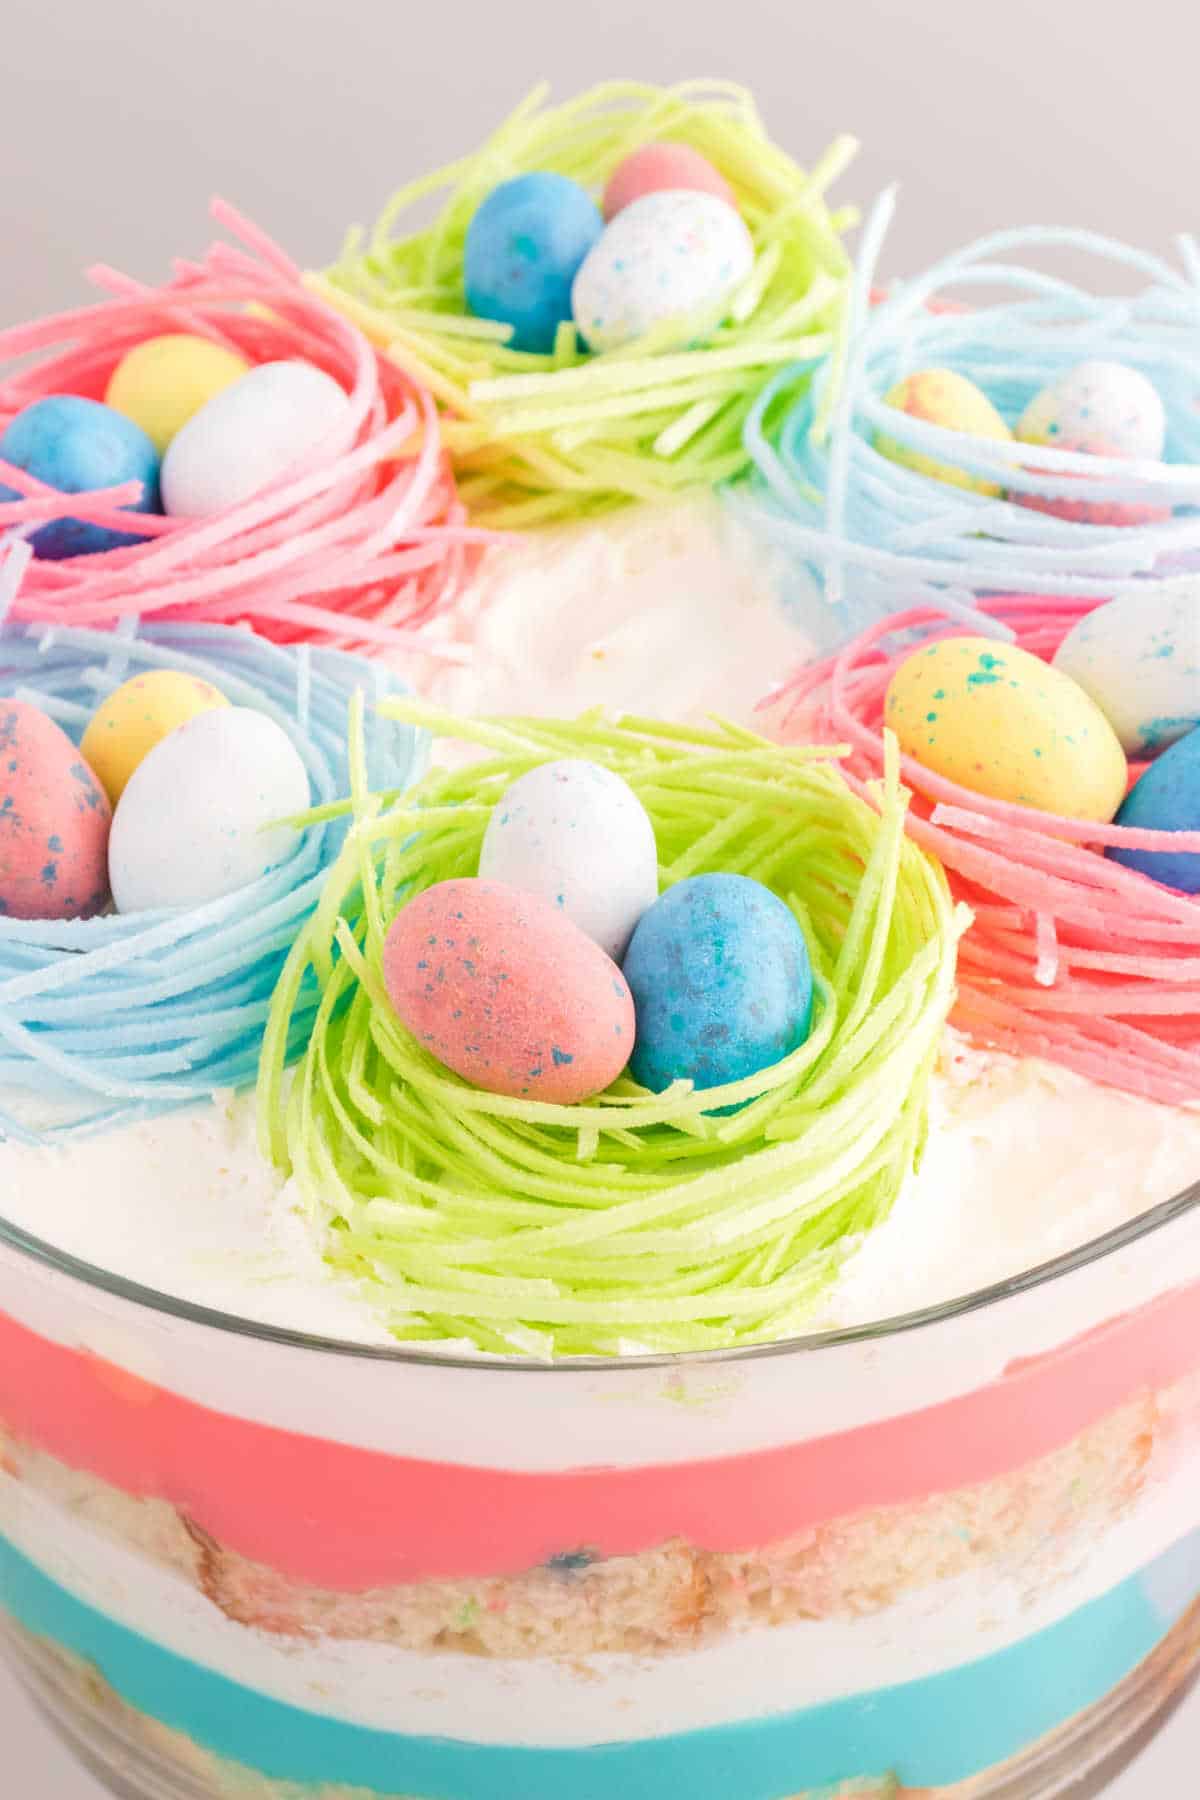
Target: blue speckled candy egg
{"type": "Point", "coordinates": [78, 446]}
{"type": "Point", "coordinates": [668, 256]}
{"type": "Point", "coordinates": [524, 248]}
{"type": "Point", "coordinates": [722, 983]}
{"type": "Point", "coordinates": [1167, 798]}
{"type": "Point", "coordinates": [1139, 658]}
{"type": "Point", "coordinates": [575, 833]}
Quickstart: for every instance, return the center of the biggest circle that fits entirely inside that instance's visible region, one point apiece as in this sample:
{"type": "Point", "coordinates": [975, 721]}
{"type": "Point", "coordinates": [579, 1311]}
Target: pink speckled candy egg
{"type": "Point", "coordinates": [502, 987]}
{"type": "Point", "coordinates": [54, 821]}
{"type": "Point", "coordinates": [672, 258]}
{"type": "Point", "coordinates": [657, 167]}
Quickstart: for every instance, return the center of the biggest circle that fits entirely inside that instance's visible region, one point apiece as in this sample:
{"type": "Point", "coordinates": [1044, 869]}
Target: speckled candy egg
{"type": "Point", "coordinates": [1001, 722]}
{"type": "Point", "coordinates": [502, 988]}
{"type": "Point", "coordinates": [577, 835]}
{"type": "Point", "coordinates": [138, 715]}
{"type": "Point", "coordinates": [1166, 798]}
{"type": "Point", "coordinates": [1139, 658]}
{"type": "Point", "coordinates": [524, 248]}
{"type": "Point", "coordinates": [79, 446]}
{"type": "Point", "coordinates": [659, 168]}
{"type": "Point", "coordinates": [942, 397]}
{"type": "Point", "coordinates": [249, 436]}
{"type": "Point", "coordinates": [1101, 409]}
{"type": "Point", "coordinates": [670, 256]}
{"type": "Point", "coordinates": [1097, 408]}
{"type": "Point", "coordinates": [722, 983]}
{"type": "Point", "coordinates": [54, 821]}
{"type": "Point", "coordinates": [159, 384]}
{"type": "Point", "coordinates": [200, 815]}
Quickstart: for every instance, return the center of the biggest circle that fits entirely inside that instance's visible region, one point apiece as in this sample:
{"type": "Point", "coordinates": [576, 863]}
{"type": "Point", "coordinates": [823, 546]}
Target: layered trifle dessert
{"type": "Point", "coordinates": [552, 1244]}
{"type": "Point", "coordinates": [436, 1423]}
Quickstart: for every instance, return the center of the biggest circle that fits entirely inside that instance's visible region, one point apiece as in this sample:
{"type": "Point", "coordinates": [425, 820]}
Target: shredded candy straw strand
{"type": "Point", "coordinates": [538, 439]}
{"type": "Point", "coordinates": [635, 1221]}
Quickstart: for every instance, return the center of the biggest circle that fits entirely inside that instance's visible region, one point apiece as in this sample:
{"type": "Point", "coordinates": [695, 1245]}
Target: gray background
{"type": "Point", "coordinates": [118, 119]}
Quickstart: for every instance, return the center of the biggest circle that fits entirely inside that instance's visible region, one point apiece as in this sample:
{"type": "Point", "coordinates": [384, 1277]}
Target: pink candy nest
{"type": "Point", "coordinates": [359, 548]}
{"type": "Point", "coordinates": [1072, 957]}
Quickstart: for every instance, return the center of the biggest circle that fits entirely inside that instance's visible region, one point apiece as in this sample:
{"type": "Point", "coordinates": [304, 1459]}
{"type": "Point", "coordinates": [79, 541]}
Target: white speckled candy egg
{"type": "Point", "coordinates": [1098, 409]}
{"type": "Point", "coordinates": [577, 835]}
{"type": "Point", "coordinates": [670, 255]}
{"type": "Point", "coordinates": [1139, 658]}
{"type": "Point", "coordinates": [191, 825]}
{"type": "Point", "coordinates": [247, 436]}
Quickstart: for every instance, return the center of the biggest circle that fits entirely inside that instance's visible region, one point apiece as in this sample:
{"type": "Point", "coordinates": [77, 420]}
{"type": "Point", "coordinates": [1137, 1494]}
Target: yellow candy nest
{"type": "Point", "coordinates": [537, 439]}
{"type": "Point", "coordinates": [635, 1221]}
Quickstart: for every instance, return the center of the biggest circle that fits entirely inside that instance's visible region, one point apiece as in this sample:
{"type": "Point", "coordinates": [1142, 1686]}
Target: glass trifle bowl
{"type": "Point", "coordinates": [830, 1429]}
{"type": "Point", "coordinates": [957, 1552]}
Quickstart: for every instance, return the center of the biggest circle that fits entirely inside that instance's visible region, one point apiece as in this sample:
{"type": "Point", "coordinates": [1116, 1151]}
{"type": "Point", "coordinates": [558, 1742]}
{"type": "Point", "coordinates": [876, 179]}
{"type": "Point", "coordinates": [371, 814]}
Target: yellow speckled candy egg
{"type": "Point", "coordinates": [161, 383]}
{"type": "Point", "coordinates": [137, 716]}
{"type": "Point", "coordinates": [1003, 723]}
{"type": "Point", "coordinates": [940, 397]}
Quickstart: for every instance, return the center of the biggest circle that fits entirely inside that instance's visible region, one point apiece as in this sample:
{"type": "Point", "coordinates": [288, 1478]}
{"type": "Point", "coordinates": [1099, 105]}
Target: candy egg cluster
{"type": "Point", "coordinates": [559, 966]}
{"type": "Point", "coordinates": [1055, 736]}
{"type": "Point", "coordinates": [1096, 408]}
{"type": "Point", "coordinates": [669, 248]}
{"type": "Point", "coordinates": [172, 799]}
{"type": "Point", "coordinates": [190, 424]}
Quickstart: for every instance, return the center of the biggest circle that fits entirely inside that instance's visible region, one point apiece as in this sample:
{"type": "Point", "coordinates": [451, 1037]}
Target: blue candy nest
{"type": "Point", "coordinates": [107, 1020]}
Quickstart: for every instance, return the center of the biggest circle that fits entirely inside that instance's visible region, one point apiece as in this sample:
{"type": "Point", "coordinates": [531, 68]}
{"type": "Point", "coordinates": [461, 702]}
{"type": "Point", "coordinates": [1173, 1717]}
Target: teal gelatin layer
{"type": "Point", "coordinates": [929, 1732]}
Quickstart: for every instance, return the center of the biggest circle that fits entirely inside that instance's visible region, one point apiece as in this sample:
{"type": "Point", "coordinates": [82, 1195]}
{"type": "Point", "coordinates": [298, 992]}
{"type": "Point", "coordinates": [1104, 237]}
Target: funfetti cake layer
{"type": "Point", "coordinates": [1047, 1677]}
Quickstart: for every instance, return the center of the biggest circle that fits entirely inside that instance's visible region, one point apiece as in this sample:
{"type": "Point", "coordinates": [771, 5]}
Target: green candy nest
{"type": "Point", "coordinates": [543, 439]}
{"type": "Point", "coordinates": [635, 1222]}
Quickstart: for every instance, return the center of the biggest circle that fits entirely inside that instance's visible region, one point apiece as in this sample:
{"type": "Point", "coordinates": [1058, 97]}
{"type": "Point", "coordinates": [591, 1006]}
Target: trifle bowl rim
{"type": "Point", "coordinates": [1095, 1250]}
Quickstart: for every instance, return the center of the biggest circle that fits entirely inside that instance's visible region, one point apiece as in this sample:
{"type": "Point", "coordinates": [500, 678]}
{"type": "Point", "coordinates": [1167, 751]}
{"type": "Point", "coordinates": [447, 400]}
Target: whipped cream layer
{"type": "Point", "coordinates": [1024, 1162]}
{"type": "Point", "coordinates": [675, 612]}
{"type": "Point", "coordinates": [185, 1205]}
